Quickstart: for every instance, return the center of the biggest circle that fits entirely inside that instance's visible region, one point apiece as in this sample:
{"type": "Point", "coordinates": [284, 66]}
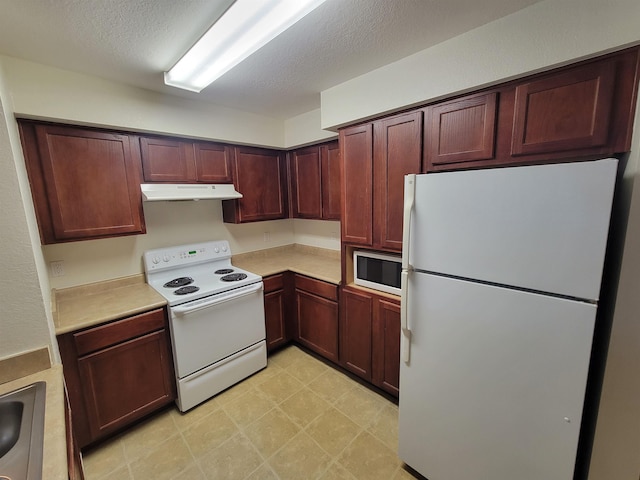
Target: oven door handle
{"type": "Point", "coordinates": [217, 299]}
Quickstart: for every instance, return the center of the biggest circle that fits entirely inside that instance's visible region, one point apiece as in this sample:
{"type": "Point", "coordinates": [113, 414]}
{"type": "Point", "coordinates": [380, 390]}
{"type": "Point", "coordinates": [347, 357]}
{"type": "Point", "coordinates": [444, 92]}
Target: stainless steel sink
{"type": "Point", "coordinates": [21, 432]}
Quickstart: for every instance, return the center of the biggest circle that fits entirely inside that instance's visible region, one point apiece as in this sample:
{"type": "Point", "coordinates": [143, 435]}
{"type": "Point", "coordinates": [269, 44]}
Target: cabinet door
{"type": "Point", "coordinates": [125, 382]}
{"type": "Point", "coordinates": [260, 176]}
{"type": "Point", "coordinates": [317, 324]}
{"type": "Point", "coordinates": [356, 151]}
{"type": "Point", "coordinates": [461, 130]}
{"type": "Point", "coordinates": [356, 333]}
{"type": "Point", "coordinates": [397, 152]}
{"type": "Point", "coordinates": [167, 160]}
{"type": "Point", "coordinates": [85, 183]}
{"type": "Point", "coordinates": [213, 162]}
{"type": "Point", "coordinates": [274, 313]}
{"type": "Point", "coordinates": [306, 200]}
{"type": "Point", "coordinates": [564, 111]}
{"type": "Point", "coordinates": [386, 345]}
{"type": "Point", "coordinates": [330, 162]}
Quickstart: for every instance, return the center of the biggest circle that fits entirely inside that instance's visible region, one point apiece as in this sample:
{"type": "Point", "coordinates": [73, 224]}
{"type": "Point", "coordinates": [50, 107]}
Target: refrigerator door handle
{"type": "Point", "coordinates": [404, 318]}
{"type": "Point", "coordinates": [409, 198]}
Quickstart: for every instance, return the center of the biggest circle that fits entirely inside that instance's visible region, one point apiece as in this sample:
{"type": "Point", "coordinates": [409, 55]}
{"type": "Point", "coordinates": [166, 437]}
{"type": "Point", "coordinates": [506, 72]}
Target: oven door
{"type": "Point", "coordinates": [208, 330]}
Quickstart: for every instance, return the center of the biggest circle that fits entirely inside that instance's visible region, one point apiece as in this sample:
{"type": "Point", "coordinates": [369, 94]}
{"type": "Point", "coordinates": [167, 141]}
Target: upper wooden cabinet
{"type": "Point", "coordinates": [460, 130]}
{"type": "Point", "coordinates": [176, 160]}
{"type": "Point", "coordinates": [260, 176]}
{"type": "Point", "coordinates": [330, 163]}
{"type": "Point", "coordinates": [565, 111]}
{"type": "Point", "coordinates": [375, 159]}
{"type": "Point", "coordinates": [315, 182]}
{"type": "Point", "coordinates": [85, 182]}
{"type": "Point", "coordinates": [397, 151]}
{"type": "Point", "coordinates": [578, 112]}
{"type": "Point", "coordinates": [356, 149]}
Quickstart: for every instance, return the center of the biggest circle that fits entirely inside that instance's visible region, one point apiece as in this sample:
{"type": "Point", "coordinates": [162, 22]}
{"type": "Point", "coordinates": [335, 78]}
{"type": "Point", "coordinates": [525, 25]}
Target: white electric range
{"type": "Point", "coordinates": [216, 317]}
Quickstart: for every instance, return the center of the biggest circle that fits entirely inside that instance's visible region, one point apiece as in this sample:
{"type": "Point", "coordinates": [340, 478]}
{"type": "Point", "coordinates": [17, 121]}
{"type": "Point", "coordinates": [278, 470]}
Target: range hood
{"type": "Point", "coordinates": [152, 192]}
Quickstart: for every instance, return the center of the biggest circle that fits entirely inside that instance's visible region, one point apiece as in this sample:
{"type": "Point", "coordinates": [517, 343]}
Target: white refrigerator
{"type": "Point", "coordinates": [500, 284]}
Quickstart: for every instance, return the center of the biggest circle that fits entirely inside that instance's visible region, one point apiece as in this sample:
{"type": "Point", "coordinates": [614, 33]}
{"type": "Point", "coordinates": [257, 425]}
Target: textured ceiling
{"type": "Point", "coordinates": [134, 41]}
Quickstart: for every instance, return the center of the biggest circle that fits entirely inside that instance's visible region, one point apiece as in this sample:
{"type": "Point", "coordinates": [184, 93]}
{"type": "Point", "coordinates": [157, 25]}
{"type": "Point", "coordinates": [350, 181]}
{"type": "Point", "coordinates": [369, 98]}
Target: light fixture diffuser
{"type": "Point", "coordinates": [244, 28]}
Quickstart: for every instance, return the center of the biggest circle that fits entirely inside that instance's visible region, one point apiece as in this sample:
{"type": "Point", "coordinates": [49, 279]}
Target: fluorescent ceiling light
{"type": "Point", "coordinates": [244, 28]}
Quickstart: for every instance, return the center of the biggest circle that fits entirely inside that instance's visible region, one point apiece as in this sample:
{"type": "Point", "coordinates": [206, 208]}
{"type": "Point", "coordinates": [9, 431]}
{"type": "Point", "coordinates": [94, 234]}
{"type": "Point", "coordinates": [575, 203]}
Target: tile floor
{"type": "Point", "coordinates": [296, 419]}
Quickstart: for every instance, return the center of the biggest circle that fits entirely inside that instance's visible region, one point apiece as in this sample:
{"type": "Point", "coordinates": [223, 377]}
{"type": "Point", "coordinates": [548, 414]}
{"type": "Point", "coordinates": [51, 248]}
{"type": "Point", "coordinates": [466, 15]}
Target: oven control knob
{"type": "Point", "coordinates": [155, 260]}
{"type": "Point", "coordinates": [166, 258]}
{"type": "Point", "coordinates": [216, 249]}
{"type": "Point", "coordinates": [224, 248]}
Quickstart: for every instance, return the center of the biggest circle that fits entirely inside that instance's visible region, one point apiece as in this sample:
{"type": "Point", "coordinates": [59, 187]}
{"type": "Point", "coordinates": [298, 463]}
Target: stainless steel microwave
{"type": "Point", "coordinates": [380, 271]}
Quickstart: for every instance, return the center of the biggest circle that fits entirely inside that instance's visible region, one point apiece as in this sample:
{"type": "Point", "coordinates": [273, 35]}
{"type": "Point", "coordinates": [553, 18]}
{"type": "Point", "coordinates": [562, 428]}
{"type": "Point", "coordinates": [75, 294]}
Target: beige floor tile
{"type": "Point", "coordinates": [195, 415]}
{"type": "Point", "coordinates": [301, 458]}
{"type": "Point", "coordinates": [145, 437]}
{"type": "Point", "coordinates": [331, 385]}
{"type": "Point", "coordinates": [303, 406]}
{"type": "Point", "coordinates": [248, 408]}
{"type": "Point", "coordinates": [271, 431]}
{"type": "Point", "coordinates": [367, 458]}
{"type": "Point", "coordinates": [233, 460]}
{"type": "Point", "coordinates": [306, 369]}
{"type": "Point", "coordinates": [192, 472]}
{"type": "Point", "coordinates": [361, 405]}
{"type": "Point", "coordinates": [263, 472]}
{"type": "Point", "coordinates": [287, 356]}
{"type": "Point", "coordinates": [234, 392]}
{"type": "Point", "coordinates": [165, 462]}
{"type": "Point", "coordinates": [333, 431]}
{"type": "Point", "coordinates": [212, 432]}
{"type": "Point", "coordinates": [337, 472]}
{"type": "Point", "coordinates": [280, 387]}
{"type": "Point", "coordinates": [402, 474]}
{"type": "Point", "coordinates": [384, 426]}
{"type": "Point", "coordinates": [105, 459]}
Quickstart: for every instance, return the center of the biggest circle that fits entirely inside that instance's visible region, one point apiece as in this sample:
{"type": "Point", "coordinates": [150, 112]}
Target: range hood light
{"type": "Point", "coordinates": [153, 192]}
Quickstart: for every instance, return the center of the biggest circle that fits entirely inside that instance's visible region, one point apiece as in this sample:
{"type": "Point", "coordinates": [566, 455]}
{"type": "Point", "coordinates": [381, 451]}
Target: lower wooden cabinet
{"type": "Point", "coordinates": [117, 373]}
{"type": "Point", "coordinates": [74, 456]}
{"type": "Point", "coordinates": [317, 316]}
{"type": "Point", "coordinates": [275, 310]}
{"type": "Point", "coordinates": [370, 337]}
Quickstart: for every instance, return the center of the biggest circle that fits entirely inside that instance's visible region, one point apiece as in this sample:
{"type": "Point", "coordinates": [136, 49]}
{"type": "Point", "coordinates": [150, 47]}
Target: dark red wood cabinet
{"type": "Point", "coordinates": [370, 337]}
{"type": "Point", "coordinates": [276, 310]}
{"type": "Point", "coordinates": [260, 176]}
{"type": "Point", "coordinates": [317, 316]}
{"type": "Point", "coordinates": [169, 159]}
{"type": "Point", "coordinates": [85, 183]}
{"type": "Point", "coordinates": [314, 174]}
{"type": "Point", "coordinates": [375, 159]}
{"type": "Point", "coordinates": [116, 373]}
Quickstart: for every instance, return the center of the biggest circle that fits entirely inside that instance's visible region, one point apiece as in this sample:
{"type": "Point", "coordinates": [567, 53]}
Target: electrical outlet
{"type": "Point", "coordinates": [267, 236]}
{"type": "Point", "coordinates": [57, 268]}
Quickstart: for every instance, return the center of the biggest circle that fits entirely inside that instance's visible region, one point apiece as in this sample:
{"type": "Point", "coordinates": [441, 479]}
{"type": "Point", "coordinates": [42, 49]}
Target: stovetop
{"type": "Point", "coordinates": [189, 272]}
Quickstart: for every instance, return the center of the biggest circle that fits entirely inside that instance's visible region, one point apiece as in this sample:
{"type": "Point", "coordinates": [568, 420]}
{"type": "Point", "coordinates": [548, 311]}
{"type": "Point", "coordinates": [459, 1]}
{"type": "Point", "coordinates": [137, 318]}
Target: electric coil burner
{"type": "Point", "coordinates": [216, 317]}
{"type": "Point", "coordinates": [178, 282]}
{"type": "Point", "coordinates": [234, 277]}
{"type": "Point", "coordinates": [223, 271]}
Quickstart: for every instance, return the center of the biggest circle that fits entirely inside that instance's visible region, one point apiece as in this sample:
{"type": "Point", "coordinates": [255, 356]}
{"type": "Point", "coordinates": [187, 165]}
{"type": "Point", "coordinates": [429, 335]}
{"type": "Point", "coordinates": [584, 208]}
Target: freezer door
{"type": "Point", "coordinates": [537, 227]}
{"type": "Point", "coordinates": [495, 384]}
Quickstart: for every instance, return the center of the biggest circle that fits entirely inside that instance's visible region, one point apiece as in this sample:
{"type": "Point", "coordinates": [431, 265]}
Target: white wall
{"type": "Point", "coordinates": [305, 129]}
{"type": "Point", "coordinates": [25, 317]}
{"type": "Point", "coordinates": [549, 33]}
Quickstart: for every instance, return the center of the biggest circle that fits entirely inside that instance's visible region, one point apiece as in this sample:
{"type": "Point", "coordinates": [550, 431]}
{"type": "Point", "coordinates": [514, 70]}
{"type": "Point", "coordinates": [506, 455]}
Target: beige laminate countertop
{"type": "Point", "coordinates": [87, 305]}
{"type": "Point", "coordinates": [320, 263]}
{"type": "Point", "coordinates": [54, 453]}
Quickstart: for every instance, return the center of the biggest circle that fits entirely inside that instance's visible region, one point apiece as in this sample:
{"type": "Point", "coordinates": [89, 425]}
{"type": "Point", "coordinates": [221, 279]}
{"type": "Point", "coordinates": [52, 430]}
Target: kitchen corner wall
{"type": "Point", "coordinates": [25, 322]}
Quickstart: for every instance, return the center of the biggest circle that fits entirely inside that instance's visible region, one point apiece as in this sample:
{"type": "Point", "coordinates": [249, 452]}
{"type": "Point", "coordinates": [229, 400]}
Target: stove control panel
{"type": "Point", "coordinates": [171, 257]}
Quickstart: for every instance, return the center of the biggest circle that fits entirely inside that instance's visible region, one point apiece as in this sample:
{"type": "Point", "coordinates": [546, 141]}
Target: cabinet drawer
{"type": "Point", "coordinates": [119, 331]}
{"type": "Point", "coordinates": [273, 283]}
{"type": "Point", "coordinates": [318, 287]}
